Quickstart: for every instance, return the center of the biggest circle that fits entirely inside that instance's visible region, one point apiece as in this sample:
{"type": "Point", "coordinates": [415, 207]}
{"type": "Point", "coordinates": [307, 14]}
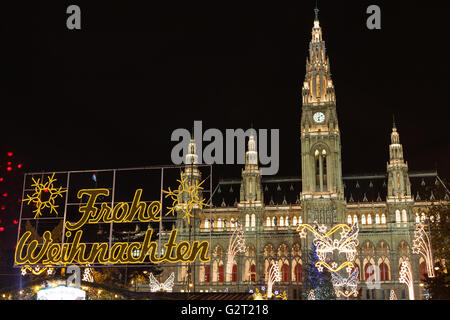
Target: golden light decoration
{"type": "Point", "coordinates": [36, 270]}
{"type": "Point", "coordinates": [186, 198]}
{"type": "Point", "coordinates": [259, 296]}
{"type": "Point", "coordinates": [236, 245]}
{"type": "Point", "coordinates": [41, 189]}
{"type": "Point", "coordinates": [346, 244]}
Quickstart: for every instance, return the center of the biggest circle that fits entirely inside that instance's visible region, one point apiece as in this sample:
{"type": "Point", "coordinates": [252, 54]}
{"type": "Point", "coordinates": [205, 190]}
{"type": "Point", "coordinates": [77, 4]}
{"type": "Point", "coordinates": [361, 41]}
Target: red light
{"type": "Point", "coordinates": [2, 229]}
{"type": "Point", "coordinates": [9, 163]}
{"type": "Point", "coordinates": [15, 222]}
{"type": "Point", "coordinates": [8, 169]}
{"type": "Point", "coordinates": [3, 207]}
{"type": "Point", "coordinates": [5, 194]}
{"type": "Point", "coordinates": [19, 165]}
{"type": "Point", "coordinates": [45, 190]}
{"type": "Point", "coordinates": [10, 154]}
{"type": "Point", "coordinates": [1, 179]}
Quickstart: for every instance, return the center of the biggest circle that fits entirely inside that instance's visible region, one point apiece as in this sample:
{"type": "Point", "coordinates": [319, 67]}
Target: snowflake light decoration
{"type": "Point", "coordinates": [47, 191]}
{"type": "Point", "coordinates": [422, 246]}
{"type": "Point", "coordinates": [186, 198]}
{"type": "Point", "coordinates": [166, 286]}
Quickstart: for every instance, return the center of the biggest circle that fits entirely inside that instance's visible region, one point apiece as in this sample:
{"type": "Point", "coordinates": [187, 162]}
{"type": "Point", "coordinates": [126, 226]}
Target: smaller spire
{"type": "Point", "coordinates": [316, 12]}
{"type": "Point", "coordinates": [393, 122]}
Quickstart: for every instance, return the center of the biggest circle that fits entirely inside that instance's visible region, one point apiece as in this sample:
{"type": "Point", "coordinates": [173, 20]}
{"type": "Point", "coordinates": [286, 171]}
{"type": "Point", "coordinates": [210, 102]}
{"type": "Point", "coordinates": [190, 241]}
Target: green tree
{"type": "Point", "coordinates": [320, 282]}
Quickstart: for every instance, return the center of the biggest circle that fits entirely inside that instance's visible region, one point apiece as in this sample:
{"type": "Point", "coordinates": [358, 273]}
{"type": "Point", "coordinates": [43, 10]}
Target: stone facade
{"type": "Point", "coordinates": [383, 205]}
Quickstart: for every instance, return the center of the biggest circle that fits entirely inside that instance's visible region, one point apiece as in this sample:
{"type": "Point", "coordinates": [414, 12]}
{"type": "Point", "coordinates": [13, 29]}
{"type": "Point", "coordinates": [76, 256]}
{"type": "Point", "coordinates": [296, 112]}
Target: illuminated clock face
{"type": "Point", "coordinates": [319, 117]}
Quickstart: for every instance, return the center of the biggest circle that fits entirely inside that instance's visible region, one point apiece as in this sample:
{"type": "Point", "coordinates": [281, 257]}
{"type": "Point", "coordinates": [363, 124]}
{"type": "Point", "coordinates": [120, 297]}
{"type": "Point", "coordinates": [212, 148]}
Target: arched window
{"type": "Point", "coordinates": [253, 273]}
{"type": "Point", "coordinates": [317, 162]}
{"type": "Point", "coordinates": [232, 223]}
{"type": "Point", "coordinates": [253, 220]}
{"type": "Point", "coordinates": [268, 222]}
{"type": "Point", "coordinates": [404, 216]}
{"type": "Point", "coordinates": [207, 224]}
{"type": "Point", "coordinates": [219, 223]}
{"type": "Point", "coordinates": [234, 273]}
{"type": "Point", "coordinates": [294, 221]}
{"type": "Point", "coordinates": [349, 219]}
{"type": "Point", "coordinates": [423, 270]}
{"type": "Point", "coordinates": [383, 219]}
{"type": "Point", "coordinates": [417, 218]}
{"type": "Point", "coordinates": [377, 219]}
{"type": "Point", "coordinates": [363, 219]}
{"type": "Point", "coordinates": [298, 272]}
{"type": "Point", "coordinates": [207, 273]}
{"type": "Point", "coordinates": [281, 222]}
{"type": "Point", "coordinates": [355, 218]}
{"type": "Point", "coordinates": [384, 272]}
{"type": "Point", "coordinates": [247, 220]}
{"type": "Point", "coordinates": [369, 219]}
{"type": "Point", "coordinates": [274, 222]}
{"type": "Point", "coordinates": [397, 216]}
{"type": "Point", "coordinates": [366, 272]}
{"type": "Point", "coordinates": [220, 276]}
{"type": "Point", "coordinates": [285, 273]}
{"type": "Point", "coordinates": [300, 220]}
{"type": "Point", "coordinates": [286, 221]}
{"type": "Point", "coordinates": [324, 169]}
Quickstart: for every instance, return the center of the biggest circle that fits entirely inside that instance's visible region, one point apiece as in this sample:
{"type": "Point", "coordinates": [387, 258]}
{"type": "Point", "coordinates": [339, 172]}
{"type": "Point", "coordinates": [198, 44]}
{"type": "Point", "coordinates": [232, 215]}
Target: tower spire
{"type": "Point", "coordinates": [393, 122]}
{"type": "Point", "coordinates": [316, 12]}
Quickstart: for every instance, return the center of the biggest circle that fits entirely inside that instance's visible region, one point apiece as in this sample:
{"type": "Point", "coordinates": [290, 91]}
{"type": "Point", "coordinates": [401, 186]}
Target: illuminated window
{"type": "Point", "coordinates": [234, 273]}
{"type": "Point", "coordinates": [349, 219]}
{"type": "Point", "coordinates": [384, 272]}
{"type": "Point", "coordinates": [294, 221]}
{"type": "Point", "coordinates": [285, 273]}
{"type": "Point", "coordinates": [207, 273]}
{"type": "Point", "coordinates": [281, 222]}
{"type": "Point", "coordinates": [404, 216]}
{"type": "Point", "coordinates": [253, 273]}
{"type": "Point", "coordinates": [397, 216]}
{"type": "Point", "coordinates": [286, 221]}
{"type": "Point", "coordinates": [253, 221]}
{"type": "Point", "coordinates": [417, 218]}
{"type": "Point", "coordinates": [247, 220]}
{"type": "Point", "coordinates": [355, 219]}
{"type": "Point", "coordinates": [363, 219]}
{"type": "Point", "coordinates": [207, 223]}
{"type": "Point", "coordinates": [268, 222]}
{"type": "Point", "coordinates": [377, 219]}
{"type": "Point", "coordinates": [369, 219]}
{"type": "Point", "coordinates": [298, 272]}
{"type": "Point", "coordinates": [383, 219]}
{"type": "Point", "coordinates": [219, 223]}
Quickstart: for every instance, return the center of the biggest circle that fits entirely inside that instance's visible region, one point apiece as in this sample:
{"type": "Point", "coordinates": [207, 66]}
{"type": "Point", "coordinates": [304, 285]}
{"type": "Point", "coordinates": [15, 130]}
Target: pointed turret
{"type": "Point", "coordinates": [251, 189]}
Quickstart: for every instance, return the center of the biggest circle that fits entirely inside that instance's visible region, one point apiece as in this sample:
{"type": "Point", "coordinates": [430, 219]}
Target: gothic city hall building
{"type": "Point", "coordinates": [386, 207]}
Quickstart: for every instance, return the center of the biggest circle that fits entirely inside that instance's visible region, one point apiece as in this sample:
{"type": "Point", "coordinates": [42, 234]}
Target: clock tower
{"type": "Point", "coordinates": [322, 188]}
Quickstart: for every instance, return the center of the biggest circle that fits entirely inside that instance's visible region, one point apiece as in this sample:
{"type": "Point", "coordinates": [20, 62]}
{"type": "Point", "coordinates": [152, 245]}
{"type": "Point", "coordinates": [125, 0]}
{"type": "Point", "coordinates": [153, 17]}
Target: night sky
{"type": "Point", "coordinates": [110, 95]}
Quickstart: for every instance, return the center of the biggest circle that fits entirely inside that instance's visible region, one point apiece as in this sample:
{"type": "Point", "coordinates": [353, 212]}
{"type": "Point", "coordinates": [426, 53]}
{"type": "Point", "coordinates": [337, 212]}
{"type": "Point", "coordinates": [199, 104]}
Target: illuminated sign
{"type": "Point", "coordinates": [76, 246]}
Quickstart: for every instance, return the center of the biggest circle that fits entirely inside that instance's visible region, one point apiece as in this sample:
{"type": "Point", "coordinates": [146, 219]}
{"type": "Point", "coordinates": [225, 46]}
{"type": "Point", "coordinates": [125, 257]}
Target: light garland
{"type": "Point", "coordinates": [236, 245]}
{"type": "Point", "coordinates": [406, 278]}
{"type": "Point", "coordinates": [311, 295]}
{"type": "Point", "coordinates": [422, 245]}
{"type": "Point", "coordinates": [259, 296]}
{"type": "Point", "coordinates": [166, 286]}
{"type": "Point", "coordinates": [273, 276]}
{"type": "Point", "coordinates": [37, 270]}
